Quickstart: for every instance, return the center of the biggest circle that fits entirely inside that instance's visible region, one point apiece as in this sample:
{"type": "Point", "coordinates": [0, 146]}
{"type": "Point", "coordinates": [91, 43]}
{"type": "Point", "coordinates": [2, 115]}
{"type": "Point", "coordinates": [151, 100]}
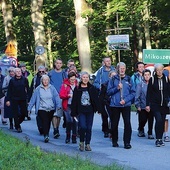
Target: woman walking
{"type": "Point", "coordinates": [7, 109]}
{"type": "Point", "coordinates": [158, 94]}
{"type": "Point", "coordinates": [66, 94]}
{"type": "Point", "coordinates": [84, 104]}
{"type": "Point", "coordinates": [46, 100]}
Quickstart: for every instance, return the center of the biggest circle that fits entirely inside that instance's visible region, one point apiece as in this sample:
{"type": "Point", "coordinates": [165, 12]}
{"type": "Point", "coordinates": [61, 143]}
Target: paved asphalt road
{"type": "Point", "coordinates": [143, 155]}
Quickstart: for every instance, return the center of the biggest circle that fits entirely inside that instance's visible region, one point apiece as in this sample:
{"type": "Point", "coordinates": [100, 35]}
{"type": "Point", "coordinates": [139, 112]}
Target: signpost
{"type": "Point", "coordinates": [118, 42]}
{"type": "Point", "coordinates": [156, 56]}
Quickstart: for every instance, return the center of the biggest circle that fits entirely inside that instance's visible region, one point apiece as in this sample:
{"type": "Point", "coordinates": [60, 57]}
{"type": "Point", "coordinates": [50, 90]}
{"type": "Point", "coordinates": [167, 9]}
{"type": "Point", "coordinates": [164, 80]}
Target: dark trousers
{"type": "Point", "coordinates": [143, 117]}
{"type": "Point", "coordinates": [104, 116]}
{"type": "Point", "coordinates": [46, 118]}
{"type": "Point", "coordinates": [160, 115]}
{"type": "Point", "coordinates": [85, 127]}
{"type": "Point", "coordinates": [71, 124]}
{"type": "Point", "coordinates": [19, 109]}
{"type": "Point", "coordinates": [115, 116]}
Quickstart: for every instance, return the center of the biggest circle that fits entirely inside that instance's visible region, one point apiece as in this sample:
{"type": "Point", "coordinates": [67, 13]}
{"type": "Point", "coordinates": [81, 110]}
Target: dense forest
{"type": "Point", "coordinates": [77, 29]}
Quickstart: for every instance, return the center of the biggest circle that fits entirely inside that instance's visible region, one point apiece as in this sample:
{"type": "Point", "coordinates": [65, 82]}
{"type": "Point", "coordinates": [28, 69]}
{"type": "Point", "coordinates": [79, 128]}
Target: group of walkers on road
{"type": "Point", "coordinates": [71, 95]}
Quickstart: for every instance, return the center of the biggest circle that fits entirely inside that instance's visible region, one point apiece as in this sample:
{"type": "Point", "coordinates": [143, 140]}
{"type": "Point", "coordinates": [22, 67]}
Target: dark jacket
{"type": "Point", "coordinates": [1, 83]}
{"type": "Point", "coordinates": [36, 81]}
{"type": "Point", "coordinates": [76, 100]}
{"type": "Point", "coordinates": [17, 89]}
{"type": "Point", "coordinates": [156, 96]}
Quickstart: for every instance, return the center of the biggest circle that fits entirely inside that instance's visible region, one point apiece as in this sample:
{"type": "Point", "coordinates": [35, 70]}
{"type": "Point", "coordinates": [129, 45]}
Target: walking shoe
{"type": "Point", "coordinates": [4, 123]}
{"type": "Point", "coordinates": [28, 118]}
{"type": "Point", "coordinates": [106, 134]}
{"type": "Point", "coordinates": [46, 139]}
{"type": "Point", "coordinates": [158, 143]}
{"type": "Point", "coordinates": [127, 146]}
{"type": "Point", "coordinates": [115, 144]}
{"type": "Point", "coordinates": [19, 130]}
{"type": "Point", "coordinates": [87, 147]}
{"type": "Point", "coordinates": [81, 146]}
{"type": "Point", "coordinates": [56, 133]}
{"type": "Point", "coordinates": [166, 139]}
{"type": "Point", "coordinates": [161, 142]}
{"type": "Point", "coordinates": [150, 137]}
{"type": "Point", "coordinates": [141, 134]}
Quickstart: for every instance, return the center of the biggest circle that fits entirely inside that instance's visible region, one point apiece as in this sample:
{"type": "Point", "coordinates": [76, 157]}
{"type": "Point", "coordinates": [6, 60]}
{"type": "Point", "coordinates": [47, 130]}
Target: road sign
{"type": "Point", "coordinates": [156, 56]}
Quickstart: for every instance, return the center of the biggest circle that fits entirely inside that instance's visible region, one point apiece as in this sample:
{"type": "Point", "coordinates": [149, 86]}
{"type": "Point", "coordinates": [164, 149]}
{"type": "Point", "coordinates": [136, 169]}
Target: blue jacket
{"type": "Point", "coordinates": [136, 78]}
{"type": "Point", "coordinates": [102, 77]}
{"type": "Point", "coordinates": [140, 97]}
{"type": "Point", "coordinates": [128, 91]}
{"type": "Point", "coordinates": [35, 99]}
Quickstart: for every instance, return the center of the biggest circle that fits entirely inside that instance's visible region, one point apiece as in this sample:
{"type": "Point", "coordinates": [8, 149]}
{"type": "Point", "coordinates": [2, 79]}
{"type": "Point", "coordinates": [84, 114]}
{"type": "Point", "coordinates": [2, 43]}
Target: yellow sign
{"type": "Point", "coordinates": [11, 50]}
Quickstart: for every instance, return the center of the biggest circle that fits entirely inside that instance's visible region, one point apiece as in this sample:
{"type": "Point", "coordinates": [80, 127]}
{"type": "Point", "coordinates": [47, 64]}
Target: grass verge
{"type": "Point", "coordinates": [19, 155]}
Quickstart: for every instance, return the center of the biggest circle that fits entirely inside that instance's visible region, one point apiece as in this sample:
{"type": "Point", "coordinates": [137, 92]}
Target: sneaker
{"type": "Point", "coordinates": [161, 143]}
{"type": "Point", "coordinates": [127, 146]}
{"type": "Point", "coordinates": [81, 146]}
{"type": "Point", "coordinates": [141, 134]}
{"type": "Point", "coordinates": [115, 144]}
{"type": "Point", "coordinates": [157, 143]}
{"type": "Point", "coordinates": [28, 118]}
{"type": "Point", "coordinates": [56, 134]}
{"type": "Point", "coordinates": [46, 139]}
{"type": "Point", "coordinates": [106, 134]}
{"type": "Point", "coordinates": [19, 130]}
{"type": "Point", "coordinates": [4, 123]}
{"type": "Point", "coordinates": [87, 147]}
{"type": "Point", "coordinates": [150, 137]}
{"type": "Point", "coordinates": [166, 139]}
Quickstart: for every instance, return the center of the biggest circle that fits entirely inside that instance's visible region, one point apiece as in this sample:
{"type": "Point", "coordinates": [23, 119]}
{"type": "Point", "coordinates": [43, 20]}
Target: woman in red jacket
{"type": "Point", "coordinates": [66, 93]}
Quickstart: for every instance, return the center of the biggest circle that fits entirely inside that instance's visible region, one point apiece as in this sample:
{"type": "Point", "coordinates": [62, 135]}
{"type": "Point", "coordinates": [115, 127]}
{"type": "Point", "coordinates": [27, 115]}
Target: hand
{"type": "Point", "coordinates": [29, 112]}
{"type": "Point", "coordinates": [122, 102]}
{"type": "Point", "coordinates": [147, 108]}
{"type": "Point", "coordinates": [8, 103]}
{"type": "Point", "coordinates": [70, 95]}
{"type": "Point", "coordinates": [120, 85]}
{"type": "Point", "coordinates": [139, 109]}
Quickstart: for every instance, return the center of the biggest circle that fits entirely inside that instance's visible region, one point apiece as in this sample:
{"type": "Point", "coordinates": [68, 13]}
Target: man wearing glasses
{"type": "Point", "coordinates": [36, 82]}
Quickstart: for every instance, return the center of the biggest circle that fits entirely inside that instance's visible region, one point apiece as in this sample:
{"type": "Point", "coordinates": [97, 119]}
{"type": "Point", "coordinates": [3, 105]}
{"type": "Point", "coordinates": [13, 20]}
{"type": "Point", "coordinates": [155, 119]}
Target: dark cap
{"type": "Point", "coordinates": [22, 65]}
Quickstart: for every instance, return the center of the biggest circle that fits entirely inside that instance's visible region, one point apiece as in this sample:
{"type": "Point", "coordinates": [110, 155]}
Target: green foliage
{"type": "Point", "coordinates": [59, 17]}
{"type": "Point", "coordinates": [16, 155]}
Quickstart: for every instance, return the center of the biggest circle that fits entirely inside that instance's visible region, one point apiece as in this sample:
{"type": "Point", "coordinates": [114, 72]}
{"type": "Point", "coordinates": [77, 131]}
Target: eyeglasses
{"type": "Point", "coordinates": [41, 71]}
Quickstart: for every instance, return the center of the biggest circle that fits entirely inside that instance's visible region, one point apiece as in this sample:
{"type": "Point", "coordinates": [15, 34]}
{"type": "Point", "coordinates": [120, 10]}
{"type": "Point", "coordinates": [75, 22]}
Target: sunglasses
{"type": "Point", "coordinates": [41, 71]}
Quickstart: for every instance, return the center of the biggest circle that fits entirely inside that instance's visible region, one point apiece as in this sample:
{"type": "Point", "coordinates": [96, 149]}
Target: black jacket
{"type": "Point", "coordinates": [76, 100]}
{"type": "Point", "coordinates": [1, 83]}
{"type": "Point", "coordinates": [18, 89]}
{"type": "Point", "coordinates": [158, 93]}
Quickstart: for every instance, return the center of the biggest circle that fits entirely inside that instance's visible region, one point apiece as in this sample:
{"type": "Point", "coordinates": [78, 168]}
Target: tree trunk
{"type": "Point", "coordinates": [82, 35]}
{"type": "Point", "coordinates": [8, 22]}
{"type": "Point", "coordinates": [49, 40]}
{"type": "Point", "coordinates": [135, 44]}
{"type": "Point", "coordinates": [38, 29]}
{"type": "Point", "coordinates": [146, 26]}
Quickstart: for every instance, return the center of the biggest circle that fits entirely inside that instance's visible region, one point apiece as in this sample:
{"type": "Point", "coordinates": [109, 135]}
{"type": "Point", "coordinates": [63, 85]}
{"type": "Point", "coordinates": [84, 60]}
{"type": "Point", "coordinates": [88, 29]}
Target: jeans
{"type": "Point", "coordinates": [46, 118]}
{"type": "Point", "coordinates": [115, 116]}
{"type": "Point", "coordinates": [85, 127]}
{"type": "Point", "coordinates": [143, 117]}
{"type": "Point", "coordinates": [71, 124]}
